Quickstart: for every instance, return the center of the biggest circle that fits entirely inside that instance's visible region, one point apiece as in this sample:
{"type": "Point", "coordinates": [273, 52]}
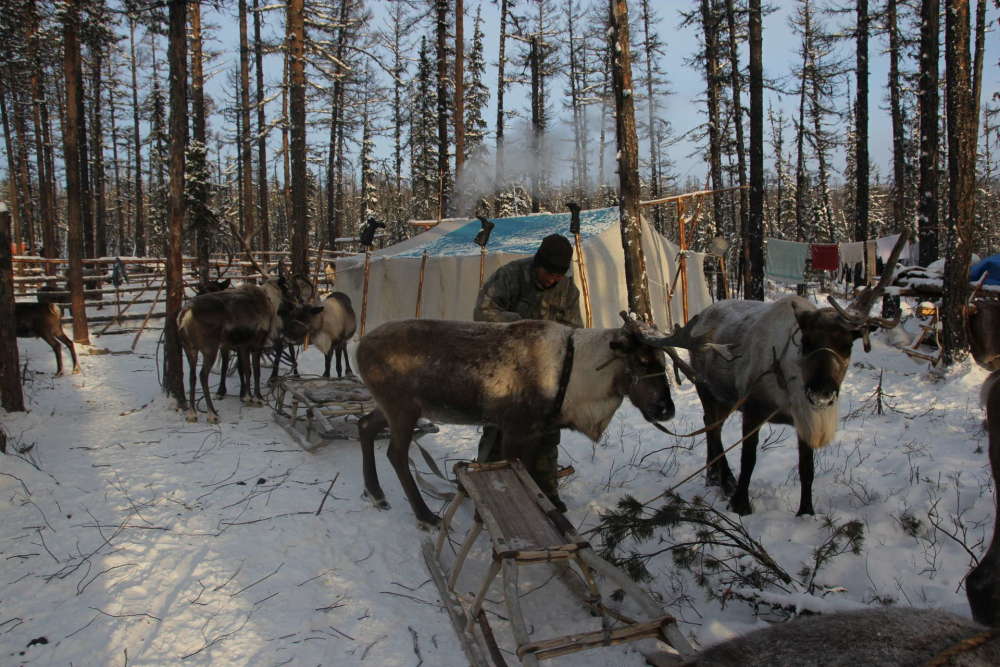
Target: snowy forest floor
{"type": "Point", "coordinates": [132, 537]}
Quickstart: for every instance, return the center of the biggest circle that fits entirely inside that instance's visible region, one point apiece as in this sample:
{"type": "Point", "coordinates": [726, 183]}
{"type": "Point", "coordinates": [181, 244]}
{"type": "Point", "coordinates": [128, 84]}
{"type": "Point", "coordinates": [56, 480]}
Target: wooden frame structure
{"type": "Point", "coordinates": [683, 220]}
{"type": "Point", "coordinates": [526, 529]}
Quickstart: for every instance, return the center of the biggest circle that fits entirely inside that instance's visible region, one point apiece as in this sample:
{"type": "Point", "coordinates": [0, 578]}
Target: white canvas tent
{"type": "Point", "coordinates": [451, 277]}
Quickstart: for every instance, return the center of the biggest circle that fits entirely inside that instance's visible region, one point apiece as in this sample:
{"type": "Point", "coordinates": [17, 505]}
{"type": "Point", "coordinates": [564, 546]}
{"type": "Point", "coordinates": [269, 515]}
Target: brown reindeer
{"type": "Point", "coordinates": [522, 376]}
{"type": "Point", "coordinates": [895, 635]}
{"type": "Point", "coordinates": [245, 319]}
{"type": "Point", "coordinates": [982, 319]}
{"type": "Point", "coordinates": [43, 320]}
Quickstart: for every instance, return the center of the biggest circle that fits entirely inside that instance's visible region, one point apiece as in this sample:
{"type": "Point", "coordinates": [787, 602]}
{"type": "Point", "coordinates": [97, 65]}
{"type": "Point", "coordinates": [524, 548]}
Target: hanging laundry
{"type": "Point", "coordinates": [825, 256]}
{"type": "Point", "coordinates": [852, 253]}
{"type": "Point", "coordinates": [786, 260]}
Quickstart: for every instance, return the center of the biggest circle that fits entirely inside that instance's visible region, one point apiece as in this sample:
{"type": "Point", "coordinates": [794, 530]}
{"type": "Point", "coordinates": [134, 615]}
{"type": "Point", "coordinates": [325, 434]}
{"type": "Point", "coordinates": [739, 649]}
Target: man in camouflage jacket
{"type": "Point", "coordinates": [532, 288]}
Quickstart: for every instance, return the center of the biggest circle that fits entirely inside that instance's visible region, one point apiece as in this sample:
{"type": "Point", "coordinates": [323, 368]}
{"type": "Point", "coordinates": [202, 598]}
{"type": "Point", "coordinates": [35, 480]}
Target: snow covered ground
{"type": "Point", "coordinates": [129, 536]}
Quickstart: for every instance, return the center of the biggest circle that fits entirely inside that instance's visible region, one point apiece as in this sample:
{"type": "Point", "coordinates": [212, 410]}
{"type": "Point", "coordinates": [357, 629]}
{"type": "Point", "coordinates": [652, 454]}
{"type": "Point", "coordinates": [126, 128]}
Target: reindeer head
{"type": "Point", "coordinates": [828, 334]}
{"type": "Point", "coordinates": [641, 346]}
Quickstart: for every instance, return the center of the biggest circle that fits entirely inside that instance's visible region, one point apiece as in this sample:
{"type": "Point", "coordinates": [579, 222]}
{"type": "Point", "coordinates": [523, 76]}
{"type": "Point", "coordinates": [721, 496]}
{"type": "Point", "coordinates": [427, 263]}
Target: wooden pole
{"type": "Point", "coordinates": [156, 299]}
{"type": "Point", "coordinates": [582, 267]}
{"type": "Point", "coordinates": [364, 293]}
{"type": "Point", "coordinates": [420, 284]}
{"type": "Point", "coordinates": [482, 265]}
{"type": "Point", "coordinates": [682, 263]}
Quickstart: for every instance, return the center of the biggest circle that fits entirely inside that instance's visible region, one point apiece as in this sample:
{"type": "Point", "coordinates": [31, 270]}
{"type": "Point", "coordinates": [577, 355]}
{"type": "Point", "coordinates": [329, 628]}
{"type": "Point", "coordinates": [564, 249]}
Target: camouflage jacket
{"type": "Point", "coordinates": [511, 294]}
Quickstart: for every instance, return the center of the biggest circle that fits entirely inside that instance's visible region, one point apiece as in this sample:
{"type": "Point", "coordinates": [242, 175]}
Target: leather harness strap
{"type": "Point", "coordinates": [567, 368]}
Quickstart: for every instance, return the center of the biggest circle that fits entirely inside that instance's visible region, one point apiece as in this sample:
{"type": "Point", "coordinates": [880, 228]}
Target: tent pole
{"type": "Point", "coordinates": [420, 284]}
{"type": "Point", "coordinates": [682, 237]}
{"type": "Point", "coordinates": [482, 265]}
{"type": "Point", "coordinates": [364, 293]}
{"type": "Point", "coordinates": [588, 318]}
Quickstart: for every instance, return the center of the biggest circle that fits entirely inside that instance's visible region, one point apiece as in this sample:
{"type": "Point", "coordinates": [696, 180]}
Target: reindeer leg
{"type": "Point", "coordinates": [192, 357]}
{"type": "Point", "coordinates": [719, 473]}
{"type": "Point", "coordinates": [279, 347]}
{"type": "Point", "coordinates": [207, 361]}
{"type": "Point", "coordinates": [255, 355]}
{"type": "Point", "coordinates": [806, 472]}
{"type": "Point", "coordinates": [342, 352]}
{"type": "Point", "coordinates": [327, 358]}
{"type": "Point", "coordinates": [740, 502]}
{"type": "Point", "coordinates": [54, 344]}
{"type": "Point", "coordinates": [72, 352]}
{"type": "Point", "coordinates": [223, 371]}
{"type": "Point", "coordinates": [401, 430]}
{"type": "Point", "coordinates": [243, 355]}
{"type": "Point", "coordinates": [369, 427]}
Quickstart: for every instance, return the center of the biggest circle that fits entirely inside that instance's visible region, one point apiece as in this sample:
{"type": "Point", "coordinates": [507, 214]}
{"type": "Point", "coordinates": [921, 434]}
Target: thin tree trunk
{"type": "Point", "coordinates": [628, 161]}
{"type": "Point", "coordinates": [755, 227]}
{"type": "Point", "coordinates": [119, 203]}
{"type": "Point", "coordinates": [501, 87]}
{"type": "Point", "coordinates": [977, 62]}
{"type": "Point", "coordinates": [710, 26]}
{"type": "Point", "coordinates": [861, 129]}
{"type": "Point", "coordinates": [962, 137]}
{"type": "Point", "coordinates": [12, 180]}
{"type": "Point", "coordinates": [97, 140]}
{"type": "Point", "coordinates": [442, 105]}
{"type": "Point", "coordinates": [295, 38]}
{"type": "Point", "coordinates": [173, 372]}
{"type": "Point", "coordinates": [459, 88]}
{"type": "Point", "coordinates": [536, 121]}
{"type": "Point", "coordinates": [262, 205]}
{"type": "Point", "coordinates": [741, 160]}
{"type": "Point", "coordinates": [200, 219]}
{"type": "Point", "coordinates": [246, 144]}
{"type": "Point", "coordinates": [71, 153]}
{"type": "Point", "coordinates": [140, 223]}
{"type": "Point", "coordinates": [26, 198]}
{"type": "Point", "coordinates": [927, 209]}
{"type": "Point", "coordinates": [11, 395]}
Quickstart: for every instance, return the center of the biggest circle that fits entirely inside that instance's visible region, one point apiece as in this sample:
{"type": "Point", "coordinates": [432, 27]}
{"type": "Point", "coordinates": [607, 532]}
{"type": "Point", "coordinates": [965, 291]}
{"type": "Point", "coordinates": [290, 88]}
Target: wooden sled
{"type": "Point", "coordinates": [525, 529]}
{"type": "Point", "coordinates": [315, 410]}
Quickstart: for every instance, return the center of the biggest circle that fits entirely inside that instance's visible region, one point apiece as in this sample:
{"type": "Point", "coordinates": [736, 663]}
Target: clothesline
{"type": "Point", "coordinates": [788, 260]}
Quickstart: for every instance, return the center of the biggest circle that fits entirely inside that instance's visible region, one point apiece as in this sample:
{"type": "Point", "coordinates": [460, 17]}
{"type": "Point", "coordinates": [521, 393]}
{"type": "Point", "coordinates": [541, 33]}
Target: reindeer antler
{"type": "Point", "coordinates": [863, 302]}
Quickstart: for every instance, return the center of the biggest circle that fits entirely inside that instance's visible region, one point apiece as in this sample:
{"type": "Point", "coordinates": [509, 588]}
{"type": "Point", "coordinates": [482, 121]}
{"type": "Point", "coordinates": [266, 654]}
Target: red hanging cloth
{"type": "Point", "coordinates": [825, 256]}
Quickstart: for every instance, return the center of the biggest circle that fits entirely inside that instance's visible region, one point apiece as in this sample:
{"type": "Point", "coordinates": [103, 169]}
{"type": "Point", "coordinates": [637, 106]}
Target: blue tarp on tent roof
{"type": "Point", "coordinates": [520, 235]}
{"type": "Point", "coordinates": [990, 266]}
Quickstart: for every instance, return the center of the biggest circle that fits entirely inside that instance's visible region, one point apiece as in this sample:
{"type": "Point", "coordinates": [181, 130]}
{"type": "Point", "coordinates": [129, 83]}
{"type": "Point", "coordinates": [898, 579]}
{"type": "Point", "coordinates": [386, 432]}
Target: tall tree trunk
{"type": "Point", "coordinates": [23, 175]}
{"type": "Point", "coordinates": [977, 61]}
{"type": "Point", "coordinates": [97, 142]}
{"type": "Point", "coordinates": [334, 172]}
{"type": "Point", "coordinates": [140, 222]}
{"type": "Point", "coordinates": [119, 203]}
{"type": "Point", "coordinates": [861, 129]}
{"type": "Point", "coordinates": [71, 154]}
{"type": "Point", "coordinates": [628, 160]}
{"type": "Point", "coordinates": [501, 87]}
{"type": "Point", "coordinates": [173, 371]}
{"type": "Point", "coordinates": [536, 121]}
{"type": "Point", "coordinates": [927, 209]}
{"type": "Point", "coordinates": [962, 137]}
{"type": "Point", "coordinates": [755, 226]}
{"type": "Point", "coordinates": [246, 144]}
{"type": "Point", "coordinates": [442, 105]}
{"type": "Point", "coordinates": [12, 180]}
{"type": "Point", "coordinates": [655, 177]}
{"type": "Point", "coordinates": [286, 161]}
{"type": "Point", "coordinates": [741, 160]}
{"type": "Point", "coordinates": [45, 196]}
{"type": "Point", "coordinates": [200, 219]}
{"type": "Point", "coordinates": [295, 38]}
{"type": "Point", "coordinates": [11, 396]}
{"type": "Point", "coordinates": [459, 111]}
{"type": "Point", "coordinates": [264, 221]}
{"type": "Point", "coordinates": [713, 85]}
{"type": "Point", "coordinates": [899, 170]}
{"type": "Point", "coordinates": [86, 189]}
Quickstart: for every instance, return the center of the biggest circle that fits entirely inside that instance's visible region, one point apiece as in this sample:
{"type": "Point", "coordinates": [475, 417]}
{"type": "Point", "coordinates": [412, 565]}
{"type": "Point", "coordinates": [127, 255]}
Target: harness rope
{"type": "Point", "coordinates": [964, 646]}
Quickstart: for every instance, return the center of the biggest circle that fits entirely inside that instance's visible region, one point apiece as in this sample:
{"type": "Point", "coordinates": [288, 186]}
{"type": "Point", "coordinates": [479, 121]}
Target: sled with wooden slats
{"type": "Point", "coordinates": [524, 528]}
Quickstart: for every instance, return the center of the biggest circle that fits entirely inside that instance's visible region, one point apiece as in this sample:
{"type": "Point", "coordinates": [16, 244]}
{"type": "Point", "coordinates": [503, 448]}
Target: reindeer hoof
{"type": "Point", "coordinates": [77, 371]}
{"type": "Point", "coordinates": [212, 418]}
{"type": "Point", "coordinates": [220, 395]}
{"type": "Point", "coordinates": [192, 417]}
{"type": "Point", "coordinates": [429, 525]}
{"type": "Point", "coordinates": [377, 503]}
{"type": "Point", "coordinates": [741, 506]}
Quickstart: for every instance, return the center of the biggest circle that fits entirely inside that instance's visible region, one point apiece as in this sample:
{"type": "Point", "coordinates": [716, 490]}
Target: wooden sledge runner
{"type": "Point", "coordinates": [525, 529]}
{"type": "Point", "coordinates": [317, 410]}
